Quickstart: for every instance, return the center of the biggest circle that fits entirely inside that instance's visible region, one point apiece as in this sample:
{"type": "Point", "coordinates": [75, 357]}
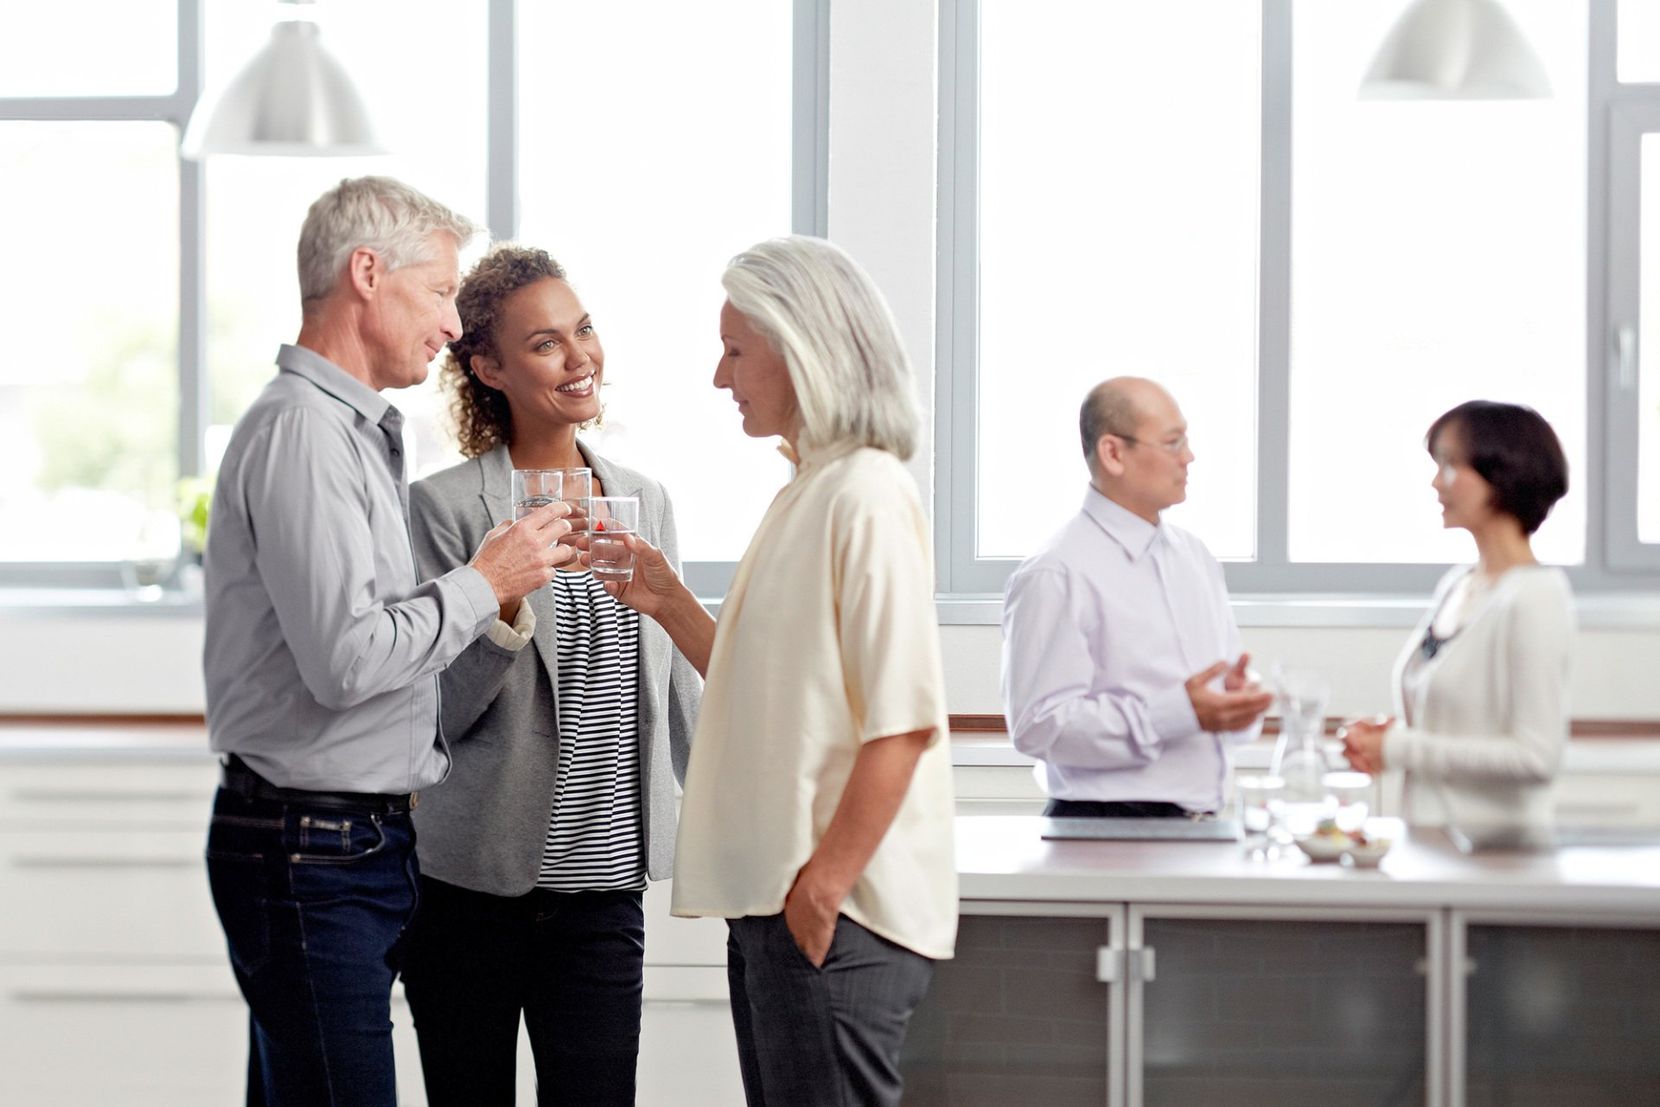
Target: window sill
{"type": "Point", "coordinates": [1601, 612]}
{"type": "Point", "coordinates": [97, 601]}
{"type": "Point", "coordinates": [1598, 611]}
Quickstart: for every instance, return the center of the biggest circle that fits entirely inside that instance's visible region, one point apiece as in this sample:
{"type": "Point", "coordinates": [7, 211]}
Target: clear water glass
{"type": "Point", "coordinates": [608, 555]}
{"type": "Point", "coordinates": [1351, 795]}
{"type": "Point", "coordinates": [534, 488]}
{"type": "Point", "coordinates": [1258, 802]}
{"type": "Point", "coordinates": [578, 495]}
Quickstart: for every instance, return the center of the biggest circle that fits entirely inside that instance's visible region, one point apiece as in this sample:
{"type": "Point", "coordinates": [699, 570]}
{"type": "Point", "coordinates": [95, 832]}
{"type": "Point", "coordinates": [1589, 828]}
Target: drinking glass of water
{"type": "Point", "coordinates": [1352, 793]}
{"type": "Point", "coordinates": [577, 494]}
{"type": "Point", "coordinates": [1259, 802]}
{"type": "Point", "coordinates": [534, 488]}
{"type": "Point", "coordinates": [612, 517]}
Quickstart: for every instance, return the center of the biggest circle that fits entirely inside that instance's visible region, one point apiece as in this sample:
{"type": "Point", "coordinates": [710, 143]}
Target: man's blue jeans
{"type": "Point", "coordinates": [313, 903]}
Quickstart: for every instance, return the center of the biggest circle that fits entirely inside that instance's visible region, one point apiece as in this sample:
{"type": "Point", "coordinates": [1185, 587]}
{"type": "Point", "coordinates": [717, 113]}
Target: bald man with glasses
{"type": "Point", "coordinates": [1122, 668]}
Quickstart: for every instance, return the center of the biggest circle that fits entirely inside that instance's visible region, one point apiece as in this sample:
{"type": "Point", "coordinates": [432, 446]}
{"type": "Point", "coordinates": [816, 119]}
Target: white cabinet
{"type": "Point", "coordinates": [114, 984]}
{"type": "Point", "coordinates": [79, 1035]}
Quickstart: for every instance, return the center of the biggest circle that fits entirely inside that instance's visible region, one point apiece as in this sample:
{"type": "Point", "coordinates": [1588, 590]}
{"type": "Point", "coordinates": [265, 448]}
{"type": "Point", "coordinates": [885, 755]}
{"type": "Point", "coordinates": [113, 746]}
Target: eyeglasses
{"type": "Point", "coordinates": [1176, 445]}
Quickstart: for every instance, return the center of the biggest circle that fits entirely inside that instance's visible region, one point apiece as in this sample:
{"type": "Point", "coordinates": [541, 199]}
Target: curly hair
{"type": "Point", "coordinates": [482, 417]}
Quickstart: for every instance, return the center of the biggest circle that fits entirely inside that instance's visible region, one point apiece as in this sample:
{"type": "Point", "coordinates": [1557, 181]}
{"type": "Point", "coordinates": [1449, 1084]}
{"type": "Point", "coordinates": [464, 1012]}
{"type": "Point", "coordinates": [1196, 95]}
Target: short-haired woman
{"type": "Point", "coordinates": [560, 800]}
{"type": "Point", "coordinates": [1482, 686]}
{"type": "Point", "coordinates": [817, 815]}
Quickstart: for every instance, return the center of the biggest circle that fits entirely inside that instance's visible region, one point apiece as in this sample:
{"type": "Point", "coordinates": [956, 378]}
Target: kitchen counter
{"type": "Point", "coordinates": [103, 741]}
{"type": "Point", "coordinates": [1583, 755]}
{"type": "Point", "coordinates": [1003, 859]}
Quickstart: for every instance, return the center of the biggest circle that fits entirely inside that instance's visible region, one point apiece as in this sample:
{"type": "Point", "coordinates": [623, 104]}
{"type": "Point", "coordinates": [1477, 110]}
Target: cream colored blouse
{"type": "Point", "coordinates": [1484, 720]}
{"type": "Point", "coordinates": [827, 639]}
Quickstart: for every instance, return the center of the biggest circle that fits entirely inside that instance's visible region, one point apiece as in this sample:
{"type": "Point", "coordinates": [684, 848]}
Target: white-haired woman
{"type": "Point", "coordinates": [817, 813]}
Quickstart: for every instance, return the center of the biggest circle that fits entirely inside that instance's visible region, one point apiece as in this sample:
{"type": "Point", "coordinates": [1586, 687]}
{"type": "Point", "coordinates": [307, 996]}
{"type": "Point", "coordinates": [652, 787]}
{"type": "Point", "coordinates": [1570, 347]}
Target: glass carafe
{"type": "Point", "coordinates": [1299, 759]}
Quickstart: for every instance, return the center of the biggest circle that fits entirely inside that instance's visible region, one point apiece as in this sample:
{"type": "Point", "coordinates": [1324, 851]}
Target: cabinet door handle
{"type": "Point", "coordinates": [1109, 965]}
{"type": "Point", "coordinates": [77, 863]}
{"type": "Point", "coordinates": [1146, 965]}
{"type": "Point", "coordinates": [90, 795]}
{"type": "Point", "coordinates": [56, 995]}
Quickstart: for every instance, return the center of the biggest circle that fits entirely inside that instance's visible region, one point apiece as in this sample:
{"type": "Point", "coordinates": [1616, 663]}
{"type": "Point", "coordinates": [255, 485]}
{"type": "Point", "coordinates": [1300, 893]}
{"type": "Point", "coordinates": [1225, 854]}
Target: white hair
{"type": "Point", "coordinates": [387, 216]}
{"type": "Point", "coordinates": [826, 317]}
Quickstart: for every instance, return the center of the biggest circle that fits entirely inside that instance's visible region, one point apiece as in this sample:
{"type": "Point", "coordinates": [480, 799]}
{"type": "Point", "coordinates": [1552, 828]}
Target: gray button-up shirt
{"type": "Point", "coordinates": [323, 649]}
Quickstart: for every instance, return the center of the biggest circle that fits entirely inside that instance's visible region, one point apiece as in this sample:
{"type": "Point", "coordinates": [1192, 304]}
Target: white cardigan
{"type": "Point", "coordinates": [1483, 734]}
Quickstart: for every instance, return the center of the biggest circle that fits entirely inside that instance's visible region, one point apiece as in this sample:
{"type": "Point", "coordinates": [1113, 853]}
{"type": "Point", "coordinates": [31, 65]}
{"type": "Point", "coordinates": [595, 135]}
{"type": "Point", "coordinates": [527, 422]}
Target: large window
{"type": "Point", "coordinates": [90, 396]}
{"type": "Point", "coordinates": [255, 205]}
{"type": "Point", "coordinates": [1438, 255]}
{"type": "Point", "coordinates": [643, 194]}
{"type": "Point", "coordinates": [1633, 326]}
{"type": "Point", "coordinates": [156, 291]}
{"type": "Point", "coordinates": [1196, 192]}
{"type": "Point", "coordinates": [1115, 239]}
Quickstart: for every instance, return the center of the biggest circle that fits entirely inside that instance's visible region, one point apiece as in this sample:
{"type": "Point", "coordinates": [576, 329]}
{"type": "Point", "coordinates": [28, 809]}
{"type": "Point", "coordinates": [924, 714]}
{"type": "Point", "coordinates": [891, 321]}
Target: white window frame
{"type": "Point", "coordinates": [1634, 111]}
{"type": "Point", "coordinates": [1612, 563]}
{"type": "Point", "coordinates": [808, 207]}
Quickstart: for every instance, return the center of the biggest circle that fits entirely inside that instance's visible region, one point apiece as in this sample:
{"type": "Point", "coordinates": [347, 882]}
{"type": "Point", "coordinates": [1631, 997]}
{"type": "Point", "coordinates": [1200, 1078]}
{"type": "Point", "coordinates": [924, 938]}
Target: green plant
{"type": "Point", "coordinates": [194, 496]}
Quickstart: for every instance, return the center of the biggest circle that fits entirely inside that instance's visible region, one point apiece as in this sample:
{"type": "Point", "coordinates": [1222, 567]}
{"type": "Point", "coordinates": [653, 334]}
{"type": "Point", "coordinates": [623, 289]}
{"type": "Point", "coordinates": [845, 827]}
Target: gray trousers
{"type": "Point", "coordinates": [820, 1037]}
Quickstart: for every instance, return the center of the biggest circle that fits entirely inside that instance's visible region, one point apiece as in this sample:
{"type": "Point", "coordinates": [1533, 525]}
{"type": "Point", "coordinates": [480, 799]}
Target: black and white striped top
{"type": "Point", "coordinates": [596, 840]}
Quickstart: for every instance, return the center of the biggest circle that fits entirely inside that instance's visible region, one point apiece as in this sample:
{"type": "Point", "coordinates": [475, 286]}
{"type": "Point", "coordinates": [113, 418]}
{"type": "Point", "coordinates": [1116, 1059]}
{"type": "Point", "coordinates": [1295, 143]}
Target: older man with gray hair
{"type": "Point", "coordinates": [323, 648]}
{"type": "Point", "coordinates": [1122, 669]}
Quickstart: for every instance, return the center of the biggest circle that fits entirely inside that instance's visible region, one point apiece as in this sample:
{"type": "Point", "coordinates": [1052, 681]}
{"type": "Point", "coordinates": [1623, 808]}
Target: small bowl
{"type": "Point", "coordinates": [1322, 848]}
{"type": "Point", "coordinates": [1368, 855]}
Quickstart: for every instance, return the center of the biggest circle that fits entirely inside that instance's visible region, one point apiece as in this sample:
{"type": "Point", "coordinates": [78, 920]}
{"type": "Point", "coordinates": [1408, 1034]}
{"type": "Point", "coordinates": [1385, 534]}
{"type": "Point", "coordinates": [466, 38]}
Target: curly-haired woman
{"type": "Point", "coordinates": [559, 805]}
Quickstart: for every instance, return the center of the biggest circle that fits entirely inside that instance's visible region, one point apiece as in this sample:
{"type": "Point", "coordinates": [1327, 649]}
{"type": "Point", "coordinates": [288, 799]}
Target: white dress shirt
{"type": "Point", "coordinates": [1102, 628]}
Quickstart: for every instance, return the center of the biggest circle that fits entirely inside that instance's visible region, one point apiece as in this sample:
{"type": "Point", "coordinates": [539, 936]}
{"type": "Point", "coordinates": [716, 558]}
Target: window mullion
{"type": "Point", "coordinates": [1274, 296]}
{"type": "Point", "coordinates": [195, 396]}
{"type": "Point", "coordinates": [501, 186]}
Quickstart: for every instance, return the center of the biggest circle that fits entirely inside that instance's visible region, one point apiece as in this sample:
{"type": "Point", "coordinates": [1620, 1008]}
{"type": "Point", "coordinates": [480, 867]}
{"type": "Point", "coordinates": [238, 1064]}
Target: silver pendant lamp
{"type": "Point", "coordinates": [1456, 50]}
{"type": "Point", "coordinates": [293, 98]}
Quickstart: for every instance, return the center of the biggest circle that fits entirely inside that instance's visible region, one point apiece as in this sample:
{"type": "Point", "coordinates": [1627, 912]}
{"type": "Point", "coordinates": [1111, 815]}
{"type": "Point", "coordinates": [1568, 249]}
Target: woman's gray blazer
{"type": "Point", "coordinates": [484, 827]}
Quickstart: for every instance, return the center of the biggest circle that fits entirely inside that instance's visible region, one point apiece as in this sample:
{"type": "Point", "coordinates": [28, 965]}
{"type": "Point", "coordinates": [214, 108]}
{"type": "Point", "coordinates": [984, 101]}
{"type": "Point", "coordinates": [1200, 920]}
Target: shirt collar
{"type": "Point", "coordinates": [329, 377]}
{"type": "Point", "coordinates": [1122, 525]}
{"type": "Point", "coordinates": [809, 457]}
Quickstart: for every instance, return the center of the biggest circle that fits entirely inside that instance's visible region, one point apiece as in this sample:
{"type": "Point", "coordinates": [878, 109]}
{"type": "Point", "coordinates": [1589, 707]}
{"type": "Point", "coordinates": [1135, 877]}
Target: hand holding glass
{"type": "Point", "coordinates": [609, 556]}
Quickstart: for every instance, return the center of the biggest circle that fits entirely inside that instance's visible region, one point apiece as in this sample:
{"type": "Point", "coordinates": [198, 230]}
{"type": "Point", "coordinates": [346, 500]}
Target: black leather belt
{"type": "Point", "coordinates": [236, 777]}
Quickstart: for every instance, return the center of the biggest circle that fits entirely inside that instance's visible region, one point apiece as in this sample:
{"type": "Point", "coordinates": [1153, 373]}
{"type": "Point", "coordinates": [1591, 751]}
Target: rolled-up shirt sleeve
{"type": "Point", "coordinates": [887, 629]}
{"type": "Point", "coordinates": [309, 515]}
{"type": "Point", "coordinates": [1054, 710]}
